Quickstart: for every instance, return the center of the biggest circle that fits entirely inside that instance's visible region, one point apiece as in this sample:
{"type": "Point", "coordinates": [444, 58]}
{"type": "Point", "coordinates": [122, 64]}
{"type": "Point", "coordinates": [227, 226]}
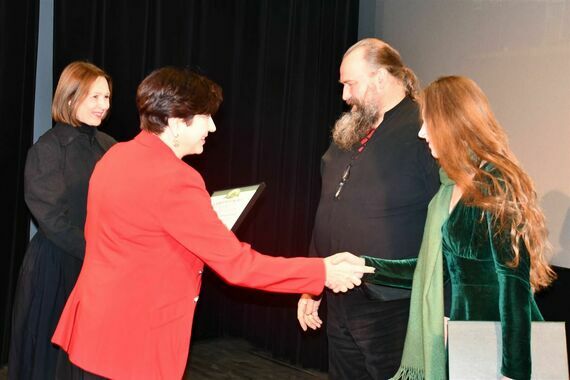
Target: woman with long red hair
{"type": "Point", "coordinates": [485, 233]}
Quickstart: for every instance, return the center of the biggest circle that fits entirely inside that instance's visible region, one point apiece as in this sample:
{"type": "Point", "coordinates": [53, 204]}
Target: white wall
{"type": "Point", "coordinates": [44, 70]}
{"type": "Point", "coordinates": [44, 77]}
{"type": "Point", "coordinates": [518, 51]}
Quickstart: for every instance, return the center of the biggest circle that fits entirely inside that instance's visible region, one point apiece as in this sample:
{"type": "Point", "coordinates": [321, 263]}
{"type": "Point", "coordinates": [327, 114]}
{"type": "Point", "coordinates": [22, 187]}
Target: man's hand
{"type": "Point", "coordinates": [344, 271]}
{"type": "Point", "coordinates": [308, 312]}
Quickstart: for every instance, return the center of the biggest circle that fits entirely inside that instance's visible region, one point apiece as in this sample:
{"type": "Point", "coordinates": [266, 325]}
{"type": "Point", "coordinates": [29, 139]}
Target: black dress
{"type": "Point", "coordinates": [58, 168]}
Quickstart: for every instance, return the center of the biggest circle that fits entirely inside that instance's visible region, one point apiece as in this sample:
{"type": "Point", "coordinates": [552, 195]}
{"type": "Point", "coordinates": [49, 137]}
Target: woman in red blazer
{"type": "Point", "coordinates": [150, 228]}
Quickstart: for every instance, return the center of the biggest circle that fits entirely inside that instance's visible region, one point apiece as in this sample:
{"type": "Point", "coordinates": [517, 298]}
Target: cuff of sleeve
{"type": "Point", "coordinates": [367, 277]}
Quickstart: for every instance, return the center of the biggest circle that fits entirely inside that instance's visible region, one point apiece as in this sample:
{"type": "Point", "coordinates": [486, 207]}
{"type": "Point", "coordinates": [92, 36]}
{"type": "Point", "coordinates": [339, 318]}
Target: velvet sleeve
{"type": "Point", "coordinates": [514, 304]}
{"type": "Point", "coordinates": [395, 273]}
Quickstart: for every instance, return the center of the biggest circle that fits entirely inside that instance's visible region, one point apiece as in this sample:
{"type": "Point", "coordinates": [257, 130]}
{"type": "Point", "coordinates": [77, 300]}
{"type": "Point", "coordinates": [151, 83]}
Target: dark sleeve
{"type": "Point", "coordinates": [395, 273]}
{"type": "Point", "coordinates": [44, 191]}
{"type": "Point", "coordinates": [514, 304]}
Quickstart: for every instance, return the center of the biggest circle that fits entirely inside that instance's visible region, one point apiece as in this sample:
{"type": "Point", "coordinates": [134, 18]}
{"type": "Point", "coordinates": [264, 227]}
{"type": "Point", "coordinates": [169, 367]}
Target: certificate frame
{"type": "Point", "coordinates": [233, 205]}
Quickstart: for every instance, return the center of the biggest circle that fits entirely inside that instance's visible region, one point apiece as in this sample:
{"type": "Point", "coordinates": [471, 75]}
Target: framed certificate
{"type": "Point", "coordinates": [232, 205]}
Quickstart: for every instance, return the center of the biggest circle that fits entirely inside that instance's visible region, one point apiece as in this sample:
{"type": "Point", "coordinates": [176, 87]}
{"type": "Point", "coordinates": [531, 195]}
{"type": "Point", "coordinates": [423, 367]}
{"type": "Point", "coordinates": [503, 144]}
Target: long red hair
{"type": "Point", "coordinates": [465, 133]}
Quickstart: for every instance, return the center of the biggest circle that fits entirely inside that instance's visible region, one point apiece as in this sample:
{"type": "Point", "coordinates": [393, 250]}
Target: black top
{"type": "Point", "coordinates": [382, 207]}
{"type": "Point", "coordinates": [58, 169]}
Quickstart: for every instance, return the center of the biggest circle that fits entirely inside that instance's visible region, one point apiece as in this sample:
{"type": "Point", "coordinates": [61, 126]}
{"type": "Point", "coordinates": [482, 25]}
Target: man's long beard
{"type": "Point", "coordinates": [354, 125]}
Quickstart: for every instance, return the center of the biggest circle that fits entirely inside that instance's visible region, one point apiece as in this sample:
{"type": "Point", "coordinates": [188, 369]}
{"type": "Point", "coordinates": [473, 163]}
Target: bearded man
{"type": "Point", "coordinates": [377, 180]}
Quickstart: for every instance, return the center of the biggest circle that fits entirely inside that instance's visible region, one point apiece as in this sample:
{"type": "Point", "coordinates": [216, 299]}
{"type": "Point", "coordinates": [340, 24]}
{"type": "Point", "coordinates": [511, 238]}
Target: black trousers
{"type": "Point", "coordinates": [365, 336]}
{"type": "Point", "coordinates": [66, 370]}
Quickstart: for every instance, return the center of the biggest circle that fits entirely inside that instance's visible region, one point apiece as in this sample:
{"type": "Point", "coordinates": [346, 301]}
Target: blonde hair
{"type": "Point", "coordinates": [378, 53]}
{"type": "Point", "coordinates": [459, 119]}
{"type": "Point", "coordinates": [72, 88]}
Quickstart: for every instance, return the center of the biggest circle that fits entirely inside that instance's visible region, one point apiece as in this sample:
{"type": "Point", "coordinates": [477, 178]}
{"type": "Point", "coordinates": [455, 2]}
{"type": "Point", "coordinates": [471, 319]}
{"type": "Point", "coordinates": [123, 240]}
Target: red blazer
{"type": "Point", "coordinates": [150, 228]}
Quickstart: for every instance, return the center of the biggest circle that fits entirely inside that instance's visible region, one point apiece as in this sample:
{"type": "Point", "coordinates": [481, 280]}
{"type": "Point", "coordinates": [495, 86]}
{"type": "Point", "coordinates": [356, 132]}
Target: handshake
{"type": "Point", "coordinates": [344, 271]}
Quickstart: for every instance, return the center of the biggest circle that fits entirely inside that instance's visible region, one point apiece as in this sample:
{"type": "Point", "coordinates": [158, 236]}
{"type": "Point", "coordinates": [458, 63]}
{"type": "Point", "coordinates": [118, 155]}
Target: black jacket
{"type": "Point", "coordinates": [58, 168]}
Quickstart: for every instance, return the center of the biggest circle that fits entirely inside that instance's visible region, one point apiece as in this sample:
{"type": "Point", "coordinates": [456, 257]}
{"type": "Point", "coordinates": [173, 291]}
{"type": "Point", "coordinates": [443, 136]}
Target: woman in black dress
{"type": "Point", "coordinates": [58, 168]}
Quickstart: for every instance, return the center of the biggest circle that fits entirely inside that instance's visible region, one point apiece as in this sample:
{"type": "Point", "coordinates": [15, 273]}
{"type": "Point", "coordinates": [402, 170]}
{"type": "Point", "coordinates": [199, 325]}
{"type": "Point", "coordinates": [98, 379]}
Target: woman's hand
{"type": "Point", "coordinates": [344, 271]}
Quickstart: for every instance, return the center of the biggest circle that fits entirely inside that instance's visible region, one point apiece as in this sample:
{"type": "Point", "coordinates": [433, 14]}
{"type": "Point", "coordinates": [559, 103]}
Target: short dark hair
{"type": "Point", "coordinates": [72, 88]}
{"type": "Point", "coordinates": [175, 92]}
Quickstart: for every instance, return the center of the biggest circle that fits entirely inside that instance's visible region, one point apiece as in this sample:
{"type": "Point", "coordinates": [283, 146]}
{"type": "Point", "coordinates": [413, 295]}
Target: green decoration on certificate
{"type": "Point", "coordinates": [232, 205]}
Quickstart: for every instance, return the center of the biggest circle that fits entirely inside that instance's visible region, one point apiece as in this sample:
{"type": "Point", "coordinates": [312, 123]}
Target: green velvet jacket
{"type": "Point", "coordinates": [483, 285]}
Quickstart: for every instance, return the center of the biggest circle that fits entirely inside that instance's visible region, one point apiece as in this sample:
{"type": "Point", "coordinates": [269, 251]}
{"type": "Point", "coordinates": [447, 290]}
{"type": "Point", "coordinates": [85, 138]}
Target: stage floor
{"type": "Point", "coordinates": [229, 358]}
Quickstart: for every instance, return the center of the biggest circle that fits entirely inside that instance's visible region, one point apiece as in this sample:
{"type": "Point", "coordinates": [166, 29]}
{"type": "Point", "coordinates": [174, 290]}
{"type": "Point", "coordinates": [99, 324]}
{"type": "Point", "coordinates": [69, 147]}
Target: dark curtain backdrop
{"type": "Point", "coordinates": [277, 62]}
{"type": "Point", "coordinates": [18, 43]}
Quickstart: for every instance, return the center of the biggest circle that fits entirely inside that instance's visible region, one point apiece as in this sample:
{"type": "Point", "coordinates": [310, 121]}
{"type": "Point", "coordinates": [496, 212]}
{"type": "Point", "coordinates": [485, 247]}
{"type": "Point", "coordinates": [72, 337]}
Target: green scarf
{"type": "Point", "coordinates": [424, 350]}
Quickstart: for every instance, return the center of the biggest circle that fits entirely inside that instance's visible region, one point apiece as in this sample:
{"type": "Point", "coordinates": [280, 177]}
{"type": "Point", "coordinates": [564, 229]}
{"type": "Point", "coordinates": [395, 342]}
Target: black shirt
{"type": "Point", "coordinates": [382, 207]}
